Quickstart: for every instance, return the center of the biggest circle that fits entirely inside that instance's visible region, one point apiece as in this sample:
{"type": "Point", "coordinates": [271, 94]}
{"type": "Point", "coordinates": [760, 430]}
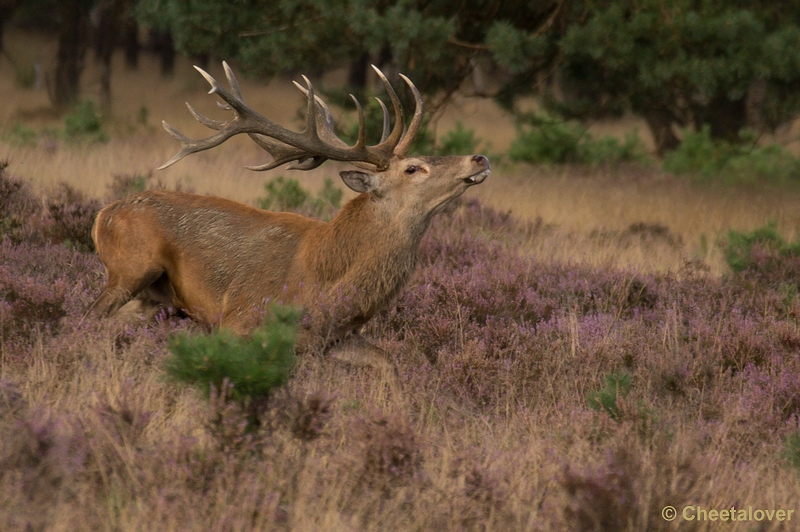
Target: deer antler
{"type": "Point", "coordinates": [313, 146]}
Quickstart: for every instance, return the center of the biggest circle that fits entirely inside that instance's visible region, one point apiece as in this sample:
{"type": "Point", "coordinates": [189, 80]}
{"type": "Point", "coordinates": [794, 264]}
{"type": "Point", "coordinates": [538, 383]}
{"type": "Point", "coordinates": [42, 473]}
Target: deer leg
{"type": "Point", "coordinates": [119, 291]}
{"type": "Point", "coordinates": [355, 350]}
{"type": "Point", "coordinates": [359, 352]}
{"type": "Point", "coordinates": [140, 308]}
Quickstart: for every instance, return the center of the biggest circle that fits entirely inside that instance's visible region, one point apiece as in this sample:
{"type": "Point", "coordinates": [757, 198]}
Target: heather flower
{"type": "Point", "coordinates": [390, 453]}
{"type": "Point", "coordinates": [310, 416]}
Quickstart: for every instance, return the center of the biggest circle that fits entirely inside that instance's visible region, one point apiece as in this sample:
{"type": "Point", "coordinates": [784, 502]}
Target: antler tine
{"type": "Point", "coordinates": [399, 123]}
{"type": "Point", "coordinates": [325, 111]}
{"type": "Point", "coordinates": [408, 136]}
{"type": "Point", "coordinates": [385, 131]}
{"type": "Point", "coordinates": [209, 78]}
{"type": "Point", "coordinates": [234, 83]}
{"type": "Point", "coordinates": [185, 142]}
{"type": "Point", "coordinates": [329, 124]}
{"type": "Point", "coordinates": [362, 125]}
{"type": "Point", "coordinates": [311, 118]}
{"type": "Point", "coordinates": [235, 102]}
{"type": "Point", "coordinates": [208, 122]}
{"type": "Point", "coordinates": [306, 164]}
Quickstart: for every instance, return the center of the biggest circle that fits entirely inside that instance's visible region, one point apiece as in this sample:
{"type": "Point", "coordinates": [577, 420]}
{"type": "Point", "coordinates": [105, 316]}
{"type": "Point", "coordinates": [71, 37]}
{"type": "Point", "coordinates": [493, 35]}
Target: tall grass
{"type": "Point", "coordinates": [533, 394]}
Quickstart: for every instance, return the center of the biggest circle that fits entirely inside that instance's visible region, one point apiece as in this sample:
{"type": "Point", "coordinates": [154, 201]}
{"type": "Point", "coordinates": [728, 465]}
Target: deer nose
{"type": "Point", "coordinates": [481, 160]}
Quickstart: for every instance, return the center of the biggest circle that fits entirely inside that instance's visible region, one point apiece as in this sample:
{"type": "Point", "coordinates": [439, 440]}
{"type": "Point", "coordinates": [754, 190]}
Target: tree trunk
{"type": "Point", "coordinates": [108, 26]}
{"type": "Point", "coordinates": [357, 76]}
{"type": "Point", "coordinates": [660, 121]}
{"type": "Point", "coordinates": [6, 11]}
{"type": "Point", "coordinates": [130, 41]}
{"type": "Point", "coordinates": [3, 17]}
{"type": "Point", "coordinates": [754, 102]}
{"type": "Point", "coordinates": [72, 42]}
{"type": "Point", "coordinates": [725, 117]}
{"type": "Point", "coordinates": [161, 43]}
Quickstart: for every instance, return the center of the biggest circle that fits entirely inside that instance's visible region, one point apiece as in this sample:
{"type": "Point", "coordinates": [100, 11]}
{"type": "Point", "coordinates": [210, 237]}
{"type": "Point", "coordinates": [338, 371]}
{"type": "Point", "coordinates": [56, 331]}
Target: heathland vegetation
{"type": "Point", "coordinates": [592, 335]}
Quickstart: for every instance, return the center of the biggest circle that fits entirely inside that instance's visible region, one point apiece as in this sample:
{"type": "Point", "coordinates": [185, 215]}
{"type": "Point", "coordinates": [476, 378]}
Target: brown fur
{"type": "Point", "coordinates": [223, 262]}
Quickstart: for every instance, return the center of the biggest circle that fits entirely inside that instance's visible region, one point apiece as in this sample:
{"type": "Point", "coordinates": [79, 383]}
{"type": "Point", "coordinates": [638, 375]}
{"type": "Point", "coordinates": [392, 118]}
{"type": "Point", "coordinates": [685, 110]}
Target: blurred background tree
{"type": "Point", "coordinates": [7, 8]}
{"type": "Point", "coordinates": [421, 39]}
{"type": "Point", "coordinates": [79, 24]}
{"type": "Point", "coordinates": [683, 63]}
{"type": "Point", "coordinates": [680, 64]}
{"type": "Point", "coordinates": [70, 20]}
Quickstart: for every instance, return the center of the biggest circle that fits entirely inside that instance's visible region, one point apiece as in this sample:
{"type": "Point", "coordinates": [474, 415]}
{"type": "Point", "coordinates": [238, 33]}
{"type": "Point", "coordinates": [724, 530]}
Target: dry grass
{"type": "Point", "coordinates": [508, 466]}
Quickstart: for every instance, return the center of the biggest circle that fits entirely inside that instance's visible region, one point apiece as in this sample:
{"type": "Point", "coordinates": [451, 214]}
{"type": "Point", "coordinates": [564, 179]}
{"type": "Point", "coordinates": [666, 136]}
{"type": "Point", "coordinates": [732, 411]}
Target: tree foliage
{"type": "Point", "coordinates": [676, 64]}
{"type": "Point", "coordinates": [274, 37]}
{"type": "Point", "coordinates": [685, 63]}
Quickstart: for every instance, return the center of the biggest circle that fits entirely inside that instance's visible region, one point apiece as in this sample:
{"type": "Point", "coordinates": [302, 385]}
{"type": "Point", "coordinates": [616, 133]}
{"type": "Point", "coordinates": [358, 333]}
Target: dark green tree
{"type": "Point", "coordinates": [435, 42]}
{"type": "Point", "coordinates": [682, 63]}
{"type": "Point", "coordinates": [677, 64]}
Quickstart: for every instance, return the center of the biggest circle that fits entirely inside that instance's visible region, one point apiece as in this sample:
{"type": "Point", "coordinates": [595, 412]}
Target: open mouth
{"type": "Point", "coordinates": [475, 179]}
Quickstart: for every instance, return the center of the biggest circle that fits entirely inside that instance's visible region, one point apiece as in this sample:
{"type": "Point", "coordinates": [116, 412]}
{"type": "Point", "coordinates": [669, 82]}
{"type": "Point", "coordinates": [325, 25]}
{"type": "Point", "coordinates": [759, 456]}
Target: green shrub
{"type": "Point", "coordinates": [617, 385]}
{"type": "Point", "coordinates": [697, 153]}
{"type": "Point", "coordinates": [283, 194]}
{"type": "Point", "coordinates": [84, 123]}
{"type": "Point", "coordinates": [733, 162]}
{"type": "Point", "coordinates": [739, 245]}
{"type": "Point", "coordinates": [20, 135]}
{"type": "Point", "coordinates": [287, 195]}
{"type": "Point", "coordinates": [609, 150]}
{"type": "Point", "coordinates": [458, 141]}
{"type": "Point", "coordinates": [766, 257]}
{"type": "Point", "coordinates": [771, 163]}
{"type": "Point", "coordinates": [791, 450]}
{"type": "Point", "coordinates": [543, 139]}
{"type": "Point", "coordinates": [255, 366]}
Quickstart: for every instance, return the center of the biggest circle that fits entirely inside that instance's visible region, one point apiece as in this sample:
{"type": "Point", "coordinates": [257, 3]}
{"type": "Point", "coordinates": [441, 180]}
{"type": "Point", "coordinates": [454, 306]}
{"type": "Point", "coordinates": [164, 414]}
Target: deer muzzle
{"type": "Point", "coordinates": [481, 175]}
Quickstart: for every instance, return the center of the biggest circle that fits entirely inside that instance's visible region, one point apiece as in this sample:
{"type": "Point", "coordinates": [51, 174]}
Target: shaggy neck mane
{"type": "Point", "coordinates": [365, 236]}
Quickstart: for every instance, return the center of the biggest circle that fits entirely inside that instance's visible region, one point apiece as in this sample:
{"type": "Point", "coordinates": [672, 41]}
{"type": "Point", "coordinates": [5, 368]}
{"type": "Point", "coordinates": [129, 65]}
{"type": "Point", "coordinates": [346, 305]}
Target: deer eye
{"type": "Point", "coordinates": [412, 170]}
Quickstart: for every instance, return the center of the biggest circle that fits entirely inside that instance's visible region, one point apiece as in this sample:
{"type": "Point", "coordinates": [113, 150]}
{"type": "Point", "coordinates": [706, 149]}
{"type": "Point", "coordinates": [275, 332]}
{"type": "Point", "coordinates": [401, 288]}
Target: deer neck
{"type": "Point", "coordinates": [369, 233]}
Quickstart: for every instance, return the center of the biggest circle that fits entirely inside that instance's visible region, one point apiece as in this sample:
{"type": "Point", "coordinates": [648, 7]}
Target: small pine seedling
{"type": "Point", "coordinates": [617, 385]}
{"type": "Point", "coordinates": [254, 366]}
{"type": "Point", "coordinates": [791, 450]}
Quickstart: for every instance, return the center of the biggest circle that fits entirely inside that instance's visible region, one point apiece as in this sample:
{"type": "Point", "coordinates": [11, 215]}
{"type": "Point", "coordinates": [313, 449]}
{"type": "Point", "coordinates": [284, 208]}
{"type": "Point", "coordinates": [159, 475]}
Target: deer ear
{"type": "Point", "coordinates": [360, 181]}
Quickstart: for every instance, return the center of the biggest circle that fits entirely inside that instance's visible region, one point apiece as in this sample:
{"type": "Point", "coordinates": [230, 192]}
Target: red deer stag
{"type": "Point", "coordinates": [222, 261]}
